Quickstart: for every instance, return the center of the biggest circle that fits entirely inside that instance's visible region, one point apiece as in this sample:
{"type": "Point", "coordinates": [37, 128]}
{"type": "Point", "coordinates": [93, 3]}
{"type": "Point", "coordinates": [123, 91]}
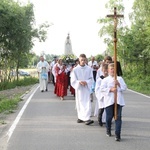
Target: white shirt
{"type": "Point", "coordinates": [99, 73]}
{"type": "Point", "coordinates": [99, 95]}
{"type": "Point", "coordinates": [42, 64]}
{"type": "Point", "coordinates": [52, 64]}
{"type": "Point", "coordinates": [106, 84]}
{"type": "Point", "coordinates": [92, 64]}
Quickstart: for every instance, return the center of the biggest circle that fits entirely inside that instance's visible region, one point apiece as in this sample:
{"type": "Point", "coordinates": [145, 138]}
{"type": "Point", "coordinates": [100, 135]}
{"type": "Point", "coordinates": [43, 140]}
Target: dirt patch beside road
{"type": "Point", "coordinates": [12, 92]}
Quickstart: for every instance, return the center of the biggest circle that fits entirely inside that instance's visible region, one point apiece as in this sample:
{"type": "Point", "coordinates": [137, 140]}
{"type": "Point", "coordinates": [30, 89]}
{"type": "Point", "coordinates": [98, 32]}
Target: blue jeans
{"type": "Point", "coordinates": [109, 117]}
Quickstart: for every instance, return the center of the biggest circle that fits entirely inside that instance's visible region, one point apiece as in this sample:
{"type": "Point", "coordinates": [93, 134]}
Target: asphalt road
{"type": "Point", "coordinates": [47, 123]}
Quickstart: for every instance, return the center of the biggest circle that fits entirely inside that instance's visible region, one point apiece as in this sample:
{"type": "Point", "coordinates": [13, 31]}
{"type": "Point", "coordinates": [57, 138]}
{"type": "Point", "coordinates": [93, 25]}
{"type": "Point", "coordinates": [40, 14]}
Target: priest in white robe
{"type": "Point", "coordinates": [81, 81]}
{"type": "Point", "coordinates": [42, 69]}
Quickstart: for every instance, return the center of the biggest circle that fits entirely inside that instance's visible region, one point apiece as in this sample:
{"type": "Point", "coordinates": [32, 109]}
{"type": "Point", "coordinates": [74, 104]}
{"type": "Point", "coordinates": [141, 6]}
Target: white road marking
{"type": "Point", "coordinates": [12, 128]}
{"type": "Point", "coordinates": [139, 93]}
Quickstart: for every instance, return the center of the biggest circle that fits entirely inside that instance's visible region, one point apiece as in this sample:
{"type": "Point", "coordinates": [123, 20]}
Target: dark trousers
{"type": "Point", "coordinates": [68, 74]}
{"type": "Point", "coordinates": [100, 114]}
{"type": "Point", "coordinates": [53, 79]}
{"type": "Point", "coordinates": [109, 116]}
{"type": "Point", "coordinates": [94, 75]}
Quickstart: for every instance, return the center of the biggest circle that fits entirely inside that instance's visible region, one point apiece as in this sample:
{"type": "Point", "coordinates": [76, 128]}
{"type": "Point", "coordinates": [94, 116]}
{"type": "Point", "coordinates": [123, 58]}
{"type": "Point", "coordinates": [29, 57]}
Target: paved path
{"type": "Point", "coordinates": [50, 124]}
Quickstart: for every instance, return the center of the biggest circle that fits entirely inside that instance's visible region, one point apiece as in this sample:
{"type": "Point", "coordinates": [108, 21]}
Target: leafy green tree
{"type": "Point", "coordinates": [136, 43]}
{"type": "Point", "coordinates": [99, 58]}
{"type": "Point", "coordinates": [107, 25]}
{"type": "Point", "coordinates": [133, 44]}
{"type": "Point", "coordinates": [140, 29]}
{"type": "Point", "coordinates": [17, 33]}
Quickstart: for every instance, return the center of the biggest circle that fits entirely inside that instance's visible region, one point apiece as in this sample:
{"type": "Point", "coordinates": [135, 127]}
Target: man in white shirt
{"type": "Point", "coordinates": [53, 63]}
{"type": "Point", "coordinates": [94, 65]}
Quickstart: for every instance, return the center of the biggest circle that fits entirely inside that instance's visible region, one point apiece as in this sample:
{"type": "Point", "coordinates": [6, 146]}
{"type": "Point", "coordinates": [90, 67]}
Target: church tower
{"type": "Point", "coordinates": [68, 46]}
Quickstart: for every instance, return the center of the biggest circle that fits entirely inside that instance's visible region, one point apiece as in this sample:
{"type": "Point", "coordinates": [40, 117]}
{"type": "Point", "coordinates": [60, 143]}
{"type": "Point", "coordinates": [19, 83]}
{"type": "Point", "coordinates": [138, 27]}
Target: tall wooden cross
{"type": "Point", "coordinates": [115, 16]}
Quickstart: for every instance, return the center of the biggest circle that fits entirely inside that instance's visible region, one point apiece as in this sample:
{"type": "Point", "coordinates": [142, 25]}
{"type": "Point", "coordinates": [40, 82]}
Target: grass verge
{"type": "Point", "coordinates": [139, 84]}
{"type": "Point", "coordinates": [21, 82]}
{"type": "Point", "coordinates": [11, 92]}
{"type": "Point", "coordinates": [7, 105]}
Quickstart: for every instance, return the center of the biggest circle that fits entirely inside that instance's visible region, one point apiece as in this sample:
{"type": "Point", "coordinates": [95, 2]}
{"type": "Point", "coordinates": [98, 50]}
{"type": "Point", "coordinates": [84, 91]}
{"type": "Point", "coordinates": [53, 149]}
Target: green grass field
{"type": "Point", "coordinates": [33, 72]}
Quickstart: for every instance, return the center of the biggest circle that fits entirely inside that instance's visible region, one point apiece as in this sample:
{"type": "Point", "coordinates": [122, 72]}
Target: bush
{"type": "Point", "coordinates": [21, 82]}
{"type": "Point", "coordinates": [137, 82]}
{"type": "Point", "coordinates": [9, 104]}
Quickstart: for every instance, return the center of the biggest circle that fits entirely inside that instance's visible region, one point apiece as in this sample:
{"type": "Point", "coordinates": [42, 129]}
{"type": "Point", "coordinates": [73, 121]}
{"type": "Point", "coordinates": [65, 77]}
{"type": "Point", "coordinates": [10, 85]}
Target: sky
{"type": "Point", "coordinates": [76, 17]}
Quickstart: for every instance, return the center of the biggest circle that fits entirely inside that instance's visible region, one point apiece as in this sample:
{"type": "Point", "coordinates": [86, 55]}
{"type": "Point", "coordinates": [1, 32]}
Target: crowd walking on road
{"type": "Point", "coordinates": [83, 79]}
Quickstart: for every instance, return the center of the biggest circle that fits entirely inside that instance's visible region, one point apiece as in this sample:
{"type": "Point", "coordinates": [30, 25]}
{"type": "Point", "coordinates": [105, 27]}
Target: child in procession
{"type": "Point", "coordinates": [109, 90]}
{"type": "Point", "coordinates": [99, 106]}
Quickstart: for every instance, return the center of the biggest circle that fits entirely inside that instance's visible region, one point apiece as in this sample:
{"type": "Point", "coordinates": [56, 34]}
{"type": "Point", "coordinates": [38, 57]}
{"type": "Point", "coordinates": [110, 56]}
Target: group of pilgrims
{"type": "Point", "coordinates": [84, 79]}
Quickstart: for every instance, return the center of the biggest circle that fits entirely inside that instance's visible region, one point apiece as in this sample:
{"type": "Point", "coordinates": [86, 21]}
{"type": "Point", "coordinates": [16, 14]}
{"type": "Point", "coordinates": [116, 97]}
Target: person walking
{"type": "Point", "coordinates": [108, 89]}
{"type": "Point", "coordinates": [42, 69]}
{"type": "Point", "coordinates": [119, 70]}
{"type": "Point", "coordinates": [99, 105]}
{"type": "Point", "coordinates": [94, 65]}
{"type": "Point", "coordinates": [52, 66]}
{"type": "Point", "coordinates": [81, 81]}
{"type": "Point", "coordinates": [61, 84]}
